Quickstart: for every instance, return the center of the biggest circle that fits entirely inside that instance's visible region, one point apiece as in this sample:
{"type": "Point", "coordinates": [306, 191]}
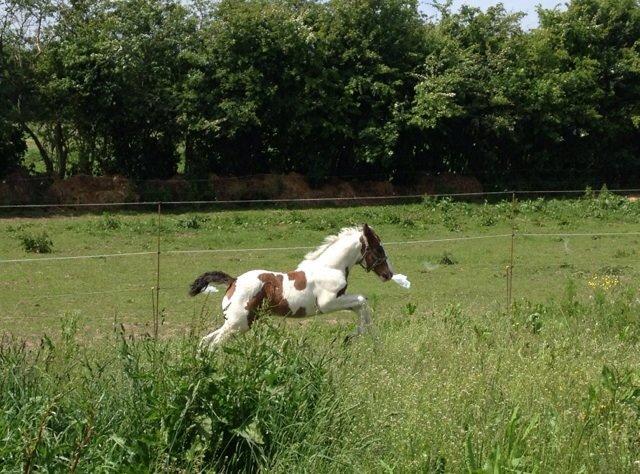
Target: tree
{"type": "Point", "coordinates": [462, 103]}
{"type": "Point", "coordinates": [290, 85]}
{"type": "Point", "coordinates": [12, 142]}
{"type": "Point", "coordinates": [590, 58]}
{"type": "Point", "coordinates": [373, 49]}
{"type": "Point", "coordinates": [116, 70]}
{"type": "Point", "coordinates": [254, 95]}
{"type": "Point", "coordinates": [21, 44]}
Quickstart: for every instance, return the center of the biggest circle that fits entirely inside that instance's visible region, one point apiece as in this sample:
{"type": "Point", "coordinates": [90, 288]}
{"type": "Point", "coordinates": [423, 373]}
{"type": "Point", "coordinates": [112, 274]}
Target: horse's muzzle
{"type": "Point", "coordinates": [386, 276]}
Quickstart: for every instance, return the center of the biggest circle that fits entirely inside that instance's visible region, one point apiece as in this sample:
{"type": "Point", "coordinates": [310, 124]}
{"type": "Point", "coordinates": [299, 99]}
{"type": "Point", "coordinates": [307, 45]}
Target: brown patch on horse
{"type": "Point", "coordinates": [272, 287]}
{"type": "Point", "coordinates": [271, 297]}
{"type": "Point", "coordinates": [253, 305]}
{"type": "Point", "coordinates": [231, 289]}
{"type": "Point", "coordinates": [299, 280]}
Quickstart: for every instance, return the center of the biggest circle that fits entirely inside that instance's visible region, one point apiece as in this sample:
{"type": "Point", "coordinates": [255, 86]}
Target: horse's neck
{"type": "Point", "coordinates": [342, 255]}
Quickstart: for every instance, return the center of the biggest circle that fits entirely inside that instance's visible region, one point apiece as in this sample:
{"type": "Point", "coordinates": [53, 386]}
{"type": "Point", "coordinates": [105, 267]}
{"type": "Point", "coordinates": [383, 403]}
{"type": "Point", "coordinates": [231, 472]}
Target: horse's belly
{"type": "Point", "coordinates": [301, 302]}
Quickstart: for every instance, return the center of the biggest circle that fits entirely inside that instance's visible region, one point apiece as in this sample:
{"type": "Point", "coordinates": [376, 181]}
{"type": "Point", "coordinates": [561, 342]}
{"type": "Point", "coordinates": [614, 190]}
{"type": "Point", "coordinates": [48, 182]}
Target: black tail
{"type": "Point", "coordinates": [210, 277]}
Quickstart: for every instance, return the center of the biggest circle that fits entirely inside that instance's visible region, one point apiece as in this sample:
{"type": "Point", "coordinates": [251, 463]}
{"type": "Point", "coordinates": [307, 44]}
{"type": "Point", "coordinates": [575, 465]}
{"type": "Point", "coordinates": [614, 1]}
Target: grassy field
{"type": "Point", "coordinates": [448, 381]}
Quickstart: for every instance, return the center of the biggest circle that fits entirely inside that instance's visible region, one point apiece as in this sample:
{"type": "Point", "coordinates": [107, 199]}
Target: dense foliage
{"type": "Point", "coordinates": [323, 88]}
{"type": "Point", "coordinates": [142, 406]}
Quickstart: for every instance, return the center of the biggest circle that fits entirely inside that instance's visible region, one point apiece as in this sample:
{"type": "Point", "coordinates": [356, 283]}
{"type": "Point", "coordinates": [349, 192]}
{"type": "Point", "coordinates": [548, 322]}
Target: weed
{"type": "Point", "coordinates": [110, 222]}
{"type": "Point", "coordinates": [191, 222]}
{"type": "Point", "coordinates": [410, 308]}
{"type": "Point", "coordinates": [612, 270]}
{"type": "Point", "coordinates": [624, 253]}
{"type": "Point", "coordinates": [14, 229]}
{"type": "Point", "coordinates": [534, 322]}
{"type": "Point", "coordinates": [487, 216]}
{"type": "Point", "coordinates": [454, 316]}
{"type": "Point", "coordinates": [400, 221]}
{"type": "Point", "coordinates": [141, 405]}
{"type": "Point", "coordinates": [451, 222]}
{"type": "Point", "coordinates": [570, 304]}
{"type": "Point", "coordinates": [604, 282]}
{"type": "Point", "coordinates": [511, 453]}
{"type": "Point", "coordinates": [447, 259]}
{"type": "Point", "coordinates": [36, 243]}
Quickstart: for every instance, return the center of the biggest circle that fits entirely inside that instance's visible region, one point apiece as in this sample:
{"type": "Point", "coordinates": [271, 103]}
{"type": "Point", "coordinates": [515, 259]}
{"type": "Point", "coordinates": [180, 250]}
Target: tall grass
{"type": "Point", "coordinates": [546, 388]}
{"type": "Point", "coordinates": [139, 405]}
{"type": "Point", "coordinates": [549, 387]}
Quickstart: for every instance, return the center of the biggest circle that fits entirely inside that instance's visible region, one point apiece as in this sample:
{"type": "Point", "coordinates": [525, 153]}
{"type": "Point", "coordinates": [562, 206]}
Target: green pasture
{"type": "Point", "coordinates": [472, 273]}
{"type": "Point", "coordinates": [449, 380]}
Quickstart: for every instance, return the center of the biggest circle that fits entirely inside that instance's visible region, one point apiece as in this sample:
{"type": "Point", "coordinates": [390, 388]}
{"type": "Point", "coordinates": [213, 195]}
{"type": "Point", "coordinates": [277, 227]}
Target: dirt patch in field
{"type": "Point", "coordinates": [424, 184]}
{"type": "Point", "coordinates": [20, 188]}
{"type": "Point", "coordinates": [295, 185]}
{"type": "Point", "coordinates": [336, 188]}
{"type": "Point", "coordinates": [445, 183]}
{"type": "Point", "coordinates": [174, 189]}
{"type": "Point", "coordinates": [83, 189]}
{"type": "Point", "coordinates": [374, 188]}
{"type": "Point", "coordinates": [453, 183]}
{"type": "Point", "coordinates": [261, 186]}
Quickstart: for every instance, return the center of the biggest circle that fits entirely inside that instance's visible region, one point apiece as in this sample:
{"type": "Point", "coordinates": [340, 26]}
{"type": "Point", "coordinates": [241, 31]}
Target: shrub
{"type": "Point", "coordinates": [447, 259]}
{"type": "Point", "coordinates": [36, 243]}
{"type": "Point", "coordinates": [191, 222]}
{"type": "Point", "coordinates": [110, 222]}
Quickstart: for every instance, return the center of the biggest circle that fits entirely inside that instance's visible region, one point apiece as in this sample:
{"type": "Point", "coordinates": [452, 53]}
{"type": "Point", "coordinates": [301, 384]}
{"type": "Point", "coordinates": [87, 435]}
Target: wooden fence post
{"type": "Point", "coordinates": [511, 252]}
{"type": "Point", "coordinates": [156, 315]}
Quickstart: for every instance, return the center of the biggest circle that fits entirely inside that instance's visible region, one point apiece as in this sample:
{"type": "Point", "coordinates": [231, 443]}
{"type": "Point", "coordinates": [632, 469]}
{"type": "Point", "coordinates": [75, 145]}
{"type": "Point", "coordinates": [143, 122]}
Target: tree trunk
{"type": "Point", "coordinates": [62, 151]}
{"type": "Point", "coordinates": [48, 164]}
{"type": "Point", "coordinates": [84, 156]}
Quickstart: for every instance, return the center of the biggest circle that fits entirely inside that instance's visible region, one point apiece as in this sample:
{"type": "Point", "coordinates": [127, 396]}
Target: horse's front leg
{"type": "Point", "coordinates": [355, 303]}
{"type": "Point", "coordinates": [364, 312]}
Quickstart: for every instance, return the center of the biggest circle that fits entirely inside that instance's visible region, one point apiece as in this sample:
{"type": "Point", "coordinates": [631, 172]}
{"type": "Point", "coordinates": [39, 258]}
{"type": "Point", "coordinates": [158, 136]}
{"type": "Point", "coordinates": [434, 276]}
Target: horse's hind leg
{"type": "Point", "coordinates": [236, 322]}
{"type": "Point", "coordinates": [206, 340]}
{"type": "Point", "coordinates": [228, 330]}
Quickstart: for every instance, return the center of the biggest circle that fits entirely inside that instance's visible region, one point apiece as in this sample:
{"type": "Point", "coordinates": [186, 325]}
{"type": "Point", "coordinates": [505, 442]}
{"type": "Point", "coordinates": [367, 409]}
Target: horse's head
{"type": "Point", "coordinates": [373, 254]}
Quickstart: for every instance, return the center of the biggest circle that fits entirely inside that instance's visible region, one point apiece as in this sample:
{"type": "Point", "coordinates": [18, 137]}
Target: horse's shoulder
{"type": "Point", "coordinates": [326, 278]}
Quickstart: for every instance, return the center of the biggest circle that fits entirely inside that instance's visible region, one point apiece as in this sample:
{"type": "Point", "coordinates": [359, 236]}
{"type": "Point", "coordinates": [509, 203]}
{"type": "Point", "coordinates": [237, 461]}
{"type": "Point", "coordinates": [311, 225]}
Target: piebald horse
{"type": "Point", "coordinates": [318, 285]}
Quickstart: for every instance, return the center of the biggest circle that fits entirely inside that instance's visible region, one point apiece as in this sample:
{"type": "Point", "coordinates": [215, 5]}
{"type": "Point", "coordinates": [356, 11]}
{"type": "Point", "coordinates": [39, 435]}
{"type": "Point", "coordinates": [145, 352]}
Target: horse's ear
{"type": "Point", "coordinates": [369, 235]}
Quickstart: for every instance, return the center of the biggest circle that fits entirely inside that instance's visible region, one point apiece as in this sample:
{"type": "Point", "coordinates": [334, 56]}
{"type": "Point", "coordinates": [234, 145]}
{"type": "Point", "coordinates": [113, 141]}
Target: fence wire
{"type": "Point", "coordinates": [458, 266]}
{"type": "Point", "coordinates": [538, 192]}
{"type": "Point", "coordinates": [306, 247]}
{"type": "Point", "coordinates": [497, 267]}
{"type": "Point", "coordinates": [75, 257]}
